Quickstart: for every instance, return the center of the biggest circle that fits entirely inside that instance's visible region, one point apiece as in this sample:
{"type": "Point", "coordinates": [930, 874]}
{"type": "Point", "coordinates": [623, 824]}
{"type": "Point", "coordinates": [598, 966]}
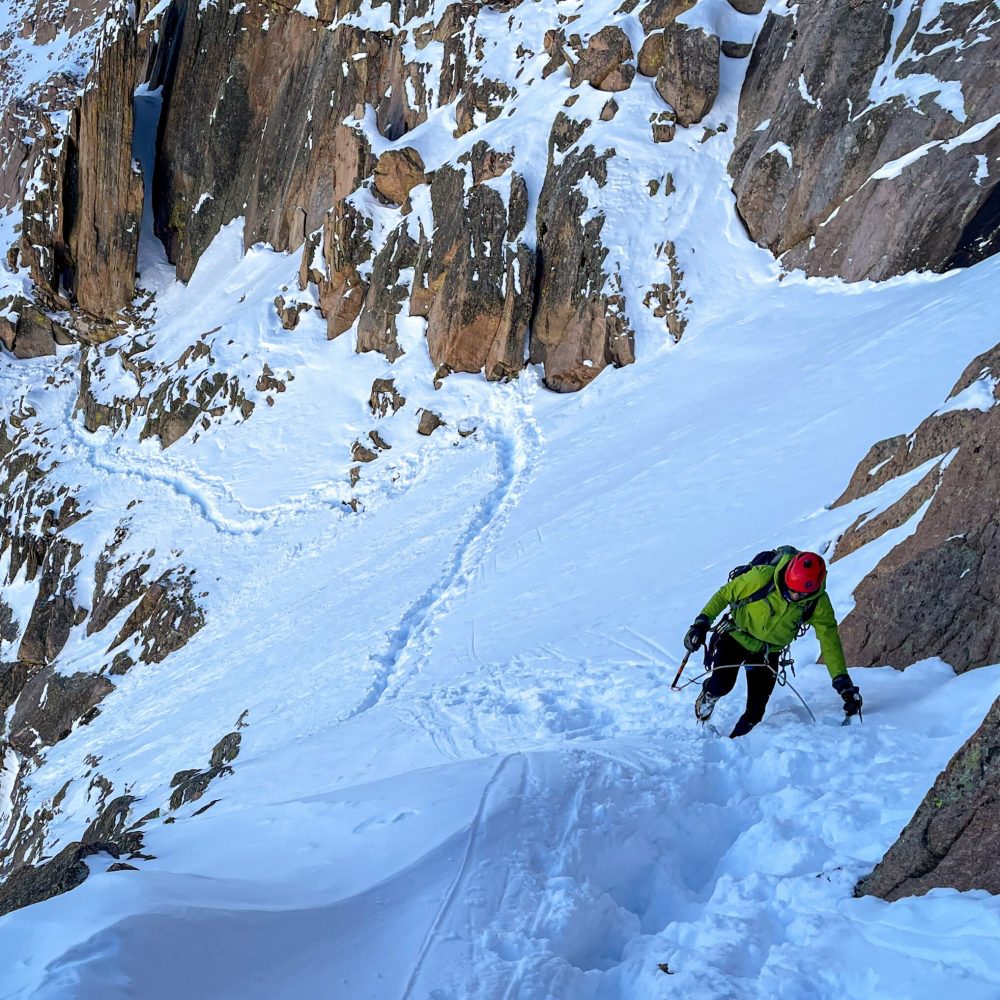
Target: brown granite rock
{"type": "Point", "coordinates": [398, 172]}
{"type": "Point", "coordinates": [736, 50]}
{"type": "Point", "coordinates": [688, 80]}
{"type": "Point", "coordinates": [837, 185]}
{"type": "Point", "coordinates": [580, 324]}
{"type": "Point", "coordinates": [937, 592]}
{"type": "Point", "coordinates": [278, 151]}
{"type": "Point", "coordinates": [385, 397]}
{"type": "Point", "coordinates": [429, 423]}
{"type": "Point", "coordinates": [104, 236]}
{"type": "Point", "coordinates": [35, 334]}
{"type": "Point", "coordinates": [475, 276]}
{"type": "Point", "coordinates": [386, 295]}
{"type": "Point", "coordinates": [487, 163]}
{"type": "Point", "coordinates": [658, 14]}
{"type": "Point", "coordinates": [652, 54]}
{"type": "Point", "coordinates": [346, 246]}
{"type": "Point", "coordinates": [953, 840]}
{"type": "Point", "coordinates": [606, 61]}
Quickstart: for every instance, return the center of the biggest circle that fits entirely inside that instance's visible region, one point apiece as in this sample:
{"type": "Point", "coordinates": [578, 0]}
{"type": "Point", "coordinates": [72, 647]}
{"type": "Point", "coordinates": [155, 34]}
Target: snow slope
{"type": "Point", "coordinates": [463, 773]}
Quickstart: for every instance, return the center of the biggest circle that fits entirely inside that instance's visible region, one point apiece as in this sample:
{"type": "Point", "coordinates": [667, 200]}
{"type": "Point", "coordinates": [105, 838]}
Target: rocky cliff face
{"type": "Point", "coordinates": [868, 136]}
{"type": "Point", "coordinates": [954, 837]}
{"type": "Point", "coordinates": [298, 124]}
{"type": "Point", "coordinates": [935, 593]}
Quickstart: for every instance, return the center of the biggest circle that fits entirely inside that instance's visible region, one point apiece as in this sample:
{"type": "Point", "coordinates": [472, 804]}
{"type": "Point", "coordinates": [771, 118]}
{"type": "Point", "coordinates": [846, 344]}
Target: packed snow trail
{"type": "Point", "coordinates": [517, 446]}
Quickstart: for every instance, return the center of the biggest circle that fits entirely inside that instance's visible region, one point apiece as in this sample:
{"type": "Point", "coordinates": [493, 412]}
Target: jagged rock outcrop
{"type": "Point", "coordinates": [687, 76]}
{"type": "Point", "coordinates": [171, 399]}
{"type": "Point", "coordinates": [278, 152]}
{"type": "Point", "coordinates": [475, 276]}
{"type": "Point", "coordinates": [82, 200]}
{"type": "Point", "coordinates": [34, 884]}
{"type": "Point", "coordinates": [937, 592]}
{"type": "Point", "coordinates": [865, 152]}
{"type": "Point", "coordinates": [606, 61]}
{"type": "Point", "coordinates": [51, 704]}
{"type": "Point", "coordinates": [165, 619]}
{"type": "Point", "coordinates": [386, 294]}
{"type": "Point", "coordinates": [104, 237]}
{"type": "Point", "coordinates": [55, 610]}
{"type": "Point", "coordinates": [953, 840]}
{"type": "Point", "coordinates": [580, 324]}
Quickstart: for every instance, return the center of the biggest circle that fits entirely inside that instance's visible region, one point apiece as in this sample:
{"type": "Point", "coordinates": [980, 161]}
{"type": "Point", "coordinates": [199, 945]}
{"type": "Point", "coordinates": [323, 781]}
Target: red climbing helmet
{"type": "Point", "coordinates": [805, 573]}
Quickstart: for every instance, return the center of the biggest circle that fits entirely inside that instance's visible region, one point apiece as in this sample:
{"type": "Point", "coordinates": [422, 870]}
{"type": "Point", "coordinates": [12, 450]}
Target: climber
{"type": "Point", "coordinates": [772, 600]}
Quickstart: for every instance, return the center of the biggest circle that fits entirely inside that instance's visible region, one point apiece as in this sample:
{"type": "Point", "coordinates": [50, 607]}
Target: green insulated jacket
{"type": "Point", "coordinates": [773, 621]}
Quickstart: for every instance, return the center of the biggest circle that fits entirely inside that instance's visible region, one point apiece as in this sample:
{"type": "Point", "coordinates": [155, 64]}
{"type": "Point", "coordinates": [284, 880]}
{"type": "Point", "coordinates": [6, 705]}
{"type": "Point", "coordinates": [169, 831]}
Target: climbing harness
{"type": "Point", "coordinates": [785, 664]}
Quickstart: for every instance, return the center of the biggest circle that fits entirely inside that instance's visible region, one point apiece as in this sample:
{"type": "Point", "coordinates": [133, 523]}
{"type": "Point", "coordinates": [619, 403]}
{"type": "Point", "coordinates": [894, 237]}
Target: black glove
{"type": "Point", "coordinates": [696, 634]}
{"type": "Point", "coordinates": [845, 687]}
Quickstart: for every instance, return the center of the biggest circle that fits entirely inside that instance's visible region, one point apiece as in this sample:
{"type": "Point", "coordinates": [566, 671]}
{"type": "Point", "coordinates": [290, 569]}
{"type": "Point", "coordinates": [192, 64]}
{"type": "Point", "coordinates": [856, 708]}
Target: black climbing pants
{"type": "Point", "coordinates": [726, 655]}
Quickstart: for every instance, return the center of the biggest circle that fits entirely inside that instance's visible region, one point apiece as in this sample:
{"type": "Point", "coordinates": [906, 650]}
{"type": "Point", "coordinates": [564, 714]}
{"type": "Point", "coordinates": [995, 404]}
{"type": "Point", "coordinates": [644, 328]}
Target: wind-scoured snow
{"type": "Point", "coordinates": [463, 773]}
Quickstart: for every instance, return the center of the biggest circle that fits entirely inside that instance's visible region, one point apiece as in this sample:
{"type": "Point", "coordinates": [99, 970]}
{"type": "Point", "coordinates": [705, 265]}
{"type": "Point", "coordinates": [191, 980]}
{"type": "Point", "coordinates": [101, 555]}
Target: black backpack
{"type": "Point", "coordinates": [771, 557]}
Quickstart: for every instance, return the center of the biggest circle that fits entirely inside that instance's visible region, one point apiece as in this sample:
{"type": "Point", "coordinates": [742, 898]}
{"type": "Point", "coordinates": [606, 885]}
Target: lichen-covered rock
{"type": "Point", "coordinates": [953, 840]}
{"type": "Point", "coordinates": [580, 324]}
{"type": "Point", "coordinates": [748, 6]}
{"type": "Point", "coordinates": [475, 276]}
{"type": "Point", "coordinates": [688, 79]}
{"type": "Point", "coordinates": [27, 332]}
{"type": "Point", "coordinates": [652, 54]}
{"type": "Point", "coordinates": [854, 154]}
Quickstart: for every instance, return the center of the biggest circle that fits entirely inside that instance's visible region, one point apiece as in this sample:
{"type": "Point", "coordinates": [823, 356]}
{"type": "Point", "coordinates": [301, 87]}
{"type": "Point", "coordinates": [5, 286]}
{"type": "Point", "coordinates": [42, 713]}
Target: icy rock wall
{"type": "Point", "coordinates": [869, 134]}
{"type": "Point", "coordinates": [937, 591]}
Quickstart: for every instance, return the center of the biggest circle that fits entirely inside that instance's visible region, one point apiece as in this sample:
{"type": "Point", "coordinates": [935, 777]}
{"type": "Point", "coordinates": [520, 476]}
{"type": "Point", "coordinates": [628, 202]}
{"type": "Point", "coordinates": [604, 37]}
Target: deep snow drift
{"type": "Point", "coordinates": [463, 773]}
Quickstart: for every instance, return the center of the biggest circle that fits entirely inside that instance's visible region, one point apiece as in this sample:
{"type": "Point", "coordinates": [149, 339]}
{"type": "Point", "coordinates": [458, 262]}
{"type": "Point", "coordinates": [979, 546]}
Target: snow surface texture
{"type": "Point", "coordinates": [463, 773]}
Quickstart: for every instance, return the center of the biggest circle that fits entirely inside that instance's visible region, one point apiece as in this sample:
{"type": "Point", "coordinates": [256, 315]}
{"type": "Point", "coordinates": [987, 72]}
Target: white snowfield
{"type": "Point", "coordinates": [463, 773]}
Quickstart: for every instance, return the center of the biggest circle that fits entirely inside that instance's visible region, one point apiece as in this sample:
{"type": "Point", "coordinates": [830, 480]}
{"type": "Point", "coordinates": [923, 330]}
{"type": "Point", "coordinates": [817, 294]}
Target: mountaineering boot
{"type": "Point", "coordinates": [741, 728]}
{"type": "Point", "coordinates": [704, 706]}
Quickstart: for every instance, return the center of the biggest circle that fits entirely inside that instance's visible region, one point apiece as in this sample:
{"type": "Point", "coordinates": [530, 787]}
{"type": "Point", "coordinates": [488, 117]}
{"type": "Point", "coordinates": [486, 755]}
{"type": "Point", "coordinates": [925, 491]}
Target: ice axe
{"type": "Point", "coordinates": [680, 670]}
